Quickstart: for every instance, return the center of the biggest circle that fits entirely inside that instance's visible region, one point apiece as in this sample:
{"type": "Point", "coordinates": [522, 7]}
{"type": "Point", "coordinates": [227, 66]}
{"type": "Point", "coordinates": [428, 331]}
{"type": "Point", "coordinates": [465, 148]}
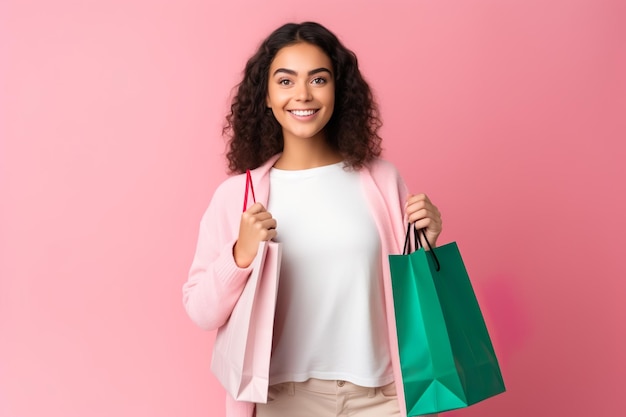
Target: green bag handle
{"type": "Point", "coordinates": [418, 243]}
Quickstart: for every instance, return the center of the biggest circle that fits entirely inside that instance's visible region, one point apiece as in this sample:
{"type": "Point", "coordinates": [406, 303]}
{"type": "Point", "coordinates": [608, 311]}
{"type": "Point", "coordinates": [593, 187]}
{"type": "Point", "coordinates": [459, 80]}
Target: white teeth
{"type": "Point", "coordinates": [303, 112]}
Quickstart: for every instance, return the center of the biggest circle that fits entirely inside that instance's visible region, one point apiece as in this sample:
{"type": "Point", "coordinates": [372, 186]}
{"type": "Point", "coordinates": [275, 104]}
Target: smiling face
{"type": "Point", "coordinates": [301, 91]}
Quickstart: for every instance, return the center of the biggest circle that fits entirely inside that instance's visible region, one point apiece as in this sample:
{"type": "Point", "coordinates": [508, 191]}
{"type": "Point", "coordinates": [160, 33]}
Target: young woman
{"type": "Point", "coordinates": [304, 121]}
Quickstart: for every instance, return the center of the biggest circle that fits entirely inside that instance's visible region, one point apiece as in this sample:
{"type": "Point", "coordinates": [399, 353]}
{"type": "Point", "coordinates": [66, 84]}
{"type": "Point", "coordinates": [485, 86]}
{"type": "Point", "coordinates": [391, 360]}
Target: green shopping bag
{"type": "Point", "coordinates": [446, 356]}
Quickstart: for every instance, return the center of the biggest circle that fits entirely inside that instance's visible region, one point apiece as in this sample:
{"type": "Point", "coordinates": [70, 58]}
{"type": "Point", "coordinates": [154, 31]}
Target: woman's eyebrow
{"type": "Point", "coordinates": [312, 72]}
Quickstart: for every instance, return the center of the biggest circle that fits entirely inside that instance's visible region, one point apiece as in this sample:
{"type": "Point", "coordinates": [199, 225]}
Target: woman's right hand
{"type": "Point", "coordinates": [257, 225]}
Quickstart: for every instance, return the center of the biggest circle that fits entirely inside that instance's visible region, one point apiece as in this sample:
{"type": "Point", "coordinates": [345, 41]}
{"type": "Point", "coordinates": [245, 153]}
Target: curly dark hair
{"type": "Point", "coordinates": [254, 135]}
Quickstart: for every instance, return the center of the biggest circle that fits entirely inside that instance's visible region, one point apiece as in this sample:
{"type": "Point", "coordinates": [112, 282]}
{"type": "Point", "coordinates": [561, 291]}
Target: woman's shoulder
{"type": "Point", "coordinates": [232, 186]}
{"type": "Point", "coordinates": [382, 168]}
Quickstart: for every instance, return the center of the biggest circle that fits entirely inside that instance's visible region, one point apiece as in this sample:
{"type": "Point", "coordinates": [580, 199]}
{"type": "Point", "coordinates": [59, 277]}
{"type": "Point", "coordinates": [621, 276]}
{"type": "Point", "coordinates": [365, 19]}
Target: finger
{"type": "Point", "coordinates": [268, 234]}
{"type": "Point", "coordinates": [427, 223]}
{"type": "Point", "coordinates": [254, 214]}
{"type": "Point", "coordinates": [262, 216]}
{"type": "Point", "coordinates": [413, 216]}
{"type": "Point", "coordinates": [430, 211]}
{"type": "Point", "coordinates": [267, 224]}
{"type": "Point", "coordinates": [415, 198]}
{"type": "Point", "coordinates": [417, 207]}
{"type": "Point", "coordinates": [418, 204]}
{"type": "Point", "coordinates": [419, 196]}
{"type": "Point", "coordinates": [255, 208]}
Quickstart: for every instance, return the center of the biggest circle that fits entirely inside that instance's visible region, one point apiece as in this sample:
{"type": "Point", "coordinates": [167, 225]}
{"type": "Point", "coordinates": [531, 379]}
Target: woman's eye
{"type": "Point", "coordinates": [284, 82]}
{"type": "Point", "coordinates": [319, 80]}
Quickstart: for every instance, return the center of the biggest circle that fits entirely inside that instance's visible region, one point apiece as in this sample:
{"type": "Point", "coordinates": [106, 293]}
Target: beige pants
{"type": "Point", "coordinates": [321, 398]}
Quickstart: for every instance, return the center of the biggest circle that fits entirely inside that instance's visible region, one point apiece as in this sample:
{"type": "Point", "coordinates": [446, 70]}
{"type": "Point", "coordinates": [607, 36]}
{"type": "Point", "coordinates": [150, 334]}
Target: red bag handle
{"type": "Point", "coordinates": [250, 187]}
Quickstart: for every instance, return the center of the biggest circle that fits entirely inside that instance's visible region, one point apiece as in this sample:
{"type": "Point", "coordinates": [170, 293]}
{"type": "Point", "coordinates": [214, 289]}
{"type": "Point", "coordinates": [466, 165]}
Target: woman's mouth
{"type": "Point", "coordinates": [303, 113]}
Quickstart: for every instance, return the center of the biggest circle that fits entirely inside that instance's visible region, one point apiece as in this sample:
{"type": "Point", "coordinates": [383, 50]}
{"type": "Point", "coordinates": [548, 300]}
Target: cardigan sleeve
{"type": "Point", "coordinates": [394, 192]}
{"type": "Point", "coordinates": [215, 281]}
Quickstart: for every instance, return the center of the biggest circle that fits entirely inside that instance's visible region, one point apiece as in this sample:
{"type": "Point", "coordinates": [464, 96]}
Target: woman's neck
{"type": "Point", "coordinates": [304, 154]}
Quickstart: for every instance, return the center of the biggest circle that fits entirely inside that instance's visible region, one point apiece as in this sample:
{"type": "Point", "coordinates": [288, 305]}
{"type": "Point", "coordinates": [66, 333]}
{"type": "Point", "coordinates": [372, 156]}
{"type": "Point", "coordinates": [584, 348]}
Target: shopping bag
{"type": "Point", "coordinates": [446, 356]}
{"type": "Point", "coordinates": [243, 345]}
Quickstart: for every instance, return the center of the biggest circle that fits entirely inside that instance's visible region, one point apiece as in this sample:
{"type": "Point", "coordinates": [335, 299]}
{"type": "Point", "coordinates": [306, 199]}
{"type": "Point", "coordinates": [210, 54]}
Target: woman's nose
{"type": "Point", "coordinates": [303, 92]}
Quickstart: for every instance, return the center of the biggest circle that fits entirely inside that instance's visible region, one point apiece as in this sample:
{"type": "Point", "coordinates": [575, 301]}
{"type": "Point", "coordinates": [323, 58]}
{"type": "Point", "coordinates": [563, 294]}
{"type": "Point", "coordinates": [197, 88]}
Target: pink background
{"type": "Point", "coordinates": [510, 115]}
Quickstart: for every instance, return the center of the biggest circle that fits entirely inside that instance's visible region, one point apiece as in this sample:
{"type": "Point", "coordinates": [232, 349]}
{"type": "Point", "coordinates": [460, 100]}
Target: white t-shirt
{"type": "Point", "coordinates": [330, 316]}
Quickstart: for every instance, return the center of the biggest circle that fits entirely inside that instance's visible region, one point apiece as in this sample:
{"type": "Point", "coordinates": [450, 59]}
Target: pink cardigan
{"type": "Point", "coordinates": [215, 282]}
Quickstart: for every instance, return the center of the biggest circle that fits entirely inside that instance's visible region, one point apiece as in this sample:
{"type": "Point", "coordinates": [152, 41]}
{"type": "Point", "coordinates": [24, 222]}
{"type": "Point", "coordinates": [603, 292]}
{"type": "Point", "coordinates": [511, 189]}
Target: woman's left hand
{"type": "Point", "coordinates": [425, 215]}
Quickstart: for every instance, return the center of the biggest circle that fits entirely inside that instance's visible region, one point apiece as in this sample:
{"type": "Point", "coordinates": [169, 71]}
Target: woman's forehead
{"type": "Point", "coordinates": [301, 58]}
